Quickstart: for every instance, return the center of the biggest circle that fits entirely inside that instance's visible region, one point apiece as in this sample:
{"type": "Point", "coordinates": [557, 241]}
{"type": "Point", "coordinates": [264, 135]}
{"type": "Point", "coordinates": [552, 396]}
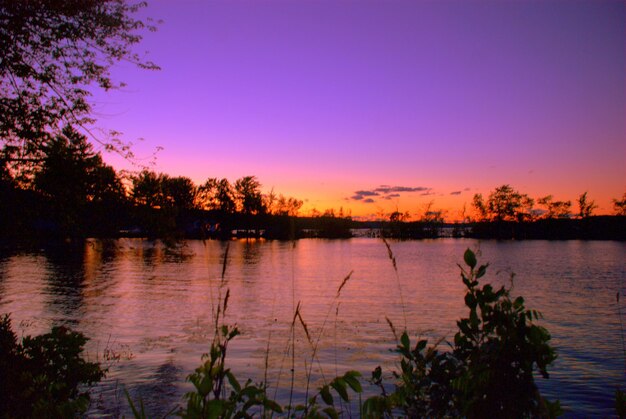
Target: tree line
{"type": "Point", "coordinates": [70, 190]}
{"type": "Point", "coordinates": [508, 213]}
{"type": "Point", "coordinates": [507, 204]}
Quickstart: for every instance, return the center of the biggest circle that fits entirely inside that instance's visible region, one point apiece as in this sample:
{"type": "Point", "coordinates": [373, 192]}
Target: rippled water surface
{"type": "Point", "coordinates": [147, 308]}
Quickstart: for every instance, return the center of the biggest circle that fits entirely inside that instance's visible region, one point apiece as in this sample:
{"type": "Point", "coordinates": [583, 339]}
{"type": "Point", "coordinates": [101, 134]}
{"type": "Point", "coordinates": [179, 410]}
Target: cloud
{"type": "Point", "coordinates": [388, 192]}
{"type": "Point", "coordinates": [359, 195]}
{"type": "Point", "coordinates": [455, 193]}
{"type": "Point", "coordinates": [367, 193]}
{"type": "Point", "coordinates": [388, 189]}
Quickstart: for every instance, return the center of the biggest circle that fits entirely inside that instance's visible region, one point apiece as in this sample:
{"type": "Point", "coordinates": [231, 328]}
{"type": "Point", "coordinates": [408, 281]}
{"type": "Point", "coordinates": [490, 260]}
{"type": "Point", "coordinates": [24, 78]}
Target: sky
{"type": "Point", "coordinates": [377, 106]}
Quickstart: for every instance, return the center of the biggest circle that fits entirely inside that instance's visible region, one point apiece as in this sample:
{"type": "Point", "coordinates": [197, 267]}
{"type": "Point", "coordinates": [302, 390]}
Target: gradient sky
{"type": "Point", "coordinates": [414, 101]}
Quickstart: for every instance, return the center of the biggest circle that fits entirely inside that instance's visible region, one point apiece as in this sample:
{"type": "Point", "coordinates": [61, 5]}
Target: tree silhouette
{"type": "Point", "coordinates": [555, 209]}
{"type": "Point", "coordinates": [585, 207]}
{"type": "Point", "coordinates": [224, 197]}
{"type": "Point", "coordinates": [179, 192]}
{"type": "Point", "coordinates": [72, 176]}
{"type": "Point", "coordinates": [146, 189]}
{"type": "Point", "coordinates": [72, 173]}
{"type": "Point", "coordinates": [205, 195]}
{"type": "Point", "coordinates": [53, 52]}
{"type": "Point", "coordinates": [288, 206]}
{"type": "Point", "coordinates": [504, 203]}
{"type": "Point", "coordinates": [481, 208]}
{"type": "Point", "coordinates": [619, 205]}
{"type": "Point", "coordinates": [248, 193]}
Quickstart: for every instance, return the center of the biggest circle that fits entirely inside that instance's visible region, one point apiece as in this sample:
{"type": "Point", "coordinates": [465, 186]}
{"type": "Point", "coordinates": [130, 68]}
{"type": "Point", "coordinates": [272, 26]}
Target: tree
{"type": "Point", "coordinates": [504, 203]}
{"type": "Point", "coordinates": [146, 189]}
{"type": "Point", "coordinates": [224, 196]}
{"type": "Point", "coordinates": [399, 217]}
{"type": "Point", "coordinates": [248, 193]}
{"type": "Point", "coordinates": [585, 208]}
{"type": "Point", "coordinates": [53, 53]}
{"type": "Point", "coordinates": [72, 176]}
{"type": "Point", "coordinates": [205, 196]}
{"type": "Point", "coordinates": [479, 204]}
{"type": "Point", "coordinates": [619, 205]}
{"type": "Point", "coordinates": [282, 205]}
{"type": "Point", "coordinates": [555, 209]}
{"type": "Point", "coordinates": [179, 192]}
{"type": "Point", "coordinates": [162, 191]}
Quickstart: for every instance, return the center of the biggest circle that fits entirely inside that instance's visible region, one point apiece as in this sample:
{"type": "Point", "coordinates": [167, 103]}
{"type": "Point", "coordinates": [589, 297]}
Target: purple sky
{"type": "Point", "coordinates": [322, 99]}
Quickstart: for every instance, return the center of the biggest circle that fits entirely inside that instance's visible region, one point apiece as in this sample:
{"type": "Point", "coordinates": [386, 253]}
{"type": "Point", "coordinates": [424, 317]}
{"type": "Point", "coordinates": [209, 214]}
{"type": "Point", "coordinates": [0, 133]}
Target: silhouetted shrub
{"type": "Point", "coordinates": [44, 376]}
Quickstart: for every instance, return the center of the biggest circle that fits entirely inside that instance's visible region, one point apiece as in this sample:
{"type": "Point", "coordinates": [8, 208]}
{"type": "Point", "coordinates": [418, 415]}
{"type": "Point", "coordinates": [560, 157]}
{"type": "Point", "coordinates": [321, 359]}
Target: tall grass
{"type": "Point", "coordinates": [488, 370]}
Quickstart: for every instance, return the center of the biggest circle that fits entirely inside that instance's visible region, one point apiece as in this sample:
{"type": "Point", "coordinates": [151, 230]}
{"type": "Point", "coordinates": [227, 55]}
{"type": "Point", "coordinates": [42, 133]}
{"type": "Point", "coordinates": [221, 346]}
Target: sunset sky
{"type": "Point", "coordinates": [378, 105]}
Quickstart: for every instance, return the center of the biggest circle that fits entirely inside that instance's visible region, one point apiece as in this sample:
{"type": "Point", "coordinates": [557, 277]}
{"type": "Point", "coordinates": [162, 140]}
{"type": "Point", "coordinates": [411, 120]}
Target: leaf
{"type": "Point", "coordinates": [215, 408]}
{"type": "Point", "coordinates": [351, 378]}
{"type": "Point", "coordinates": [340, 386]}
{"type": "Point", "coordinates": [233, 381]}
{"type": "Point", "coordinates": [470, 301]}
{"type": "Point", "coordinates": [481, 271]}
{"type": "Point", "coordinates": [331, 412]}
{"type": "Point", "coordinates": [326, 396]}
{"type": "Point", "coordinates": [272, 405]}
{"type": "Point", "coordinates": [470, 258]}
{"type": "Point", "coordinates": [404, 340]}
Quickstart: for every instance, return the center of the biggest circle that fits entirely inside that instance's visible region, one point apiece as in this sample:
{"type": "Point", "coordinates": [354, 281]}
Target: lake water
{"type": "Point", "coordinates": [148, 308]}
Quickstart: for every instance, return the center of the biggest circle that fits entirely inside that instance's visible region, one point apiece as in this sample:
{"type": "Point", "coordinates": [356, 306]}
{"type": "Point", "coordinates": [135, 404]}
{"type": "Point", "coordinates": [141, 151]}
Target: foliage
{"type": "Point", "coordinates": [53, 52]}
{"type": "Point", "coordinates": [620, 404]}
{"type": "Point", "coordinates": [76, 184]}
{"type": "Point", "coordinates": [504, 204]}
{"type": "Point", "coordinates": [217, 393]}
{"type": "Point", "coordinates": [561, 209]}
{"type": "Point", "coordinates": [281, 205]}
{"type": "Point", "coordinates": [339, 385]}
{"type": "Point", "coordinates": [43, 376]}
{"type": "Point", "coordinates": [499, 347]}
{"type": "Point", "coordinates": [489, 372]}
{"type": "Point", "coordinates": [619, 205]}
{"type": "Point", "coordinates": [248, 193]}
{"type": "Point", "coordinates": [73, 174]}
{"type": "Point", "coordinates": [585, 206]}
{"type": "Point", "coordinates": [163, 191]}
{"type": "Point", "coordinates": [146, 189]}
{"type": "Point", "coordinates": [423, 386]}
{"type": "Point", "coordinates": [216, 194]}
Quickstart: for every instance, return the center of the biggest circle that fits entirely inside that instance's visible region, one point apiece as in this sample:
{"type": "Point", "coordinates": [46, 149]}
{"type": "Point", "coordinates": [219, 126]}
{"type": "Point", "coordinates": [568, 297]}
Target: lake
{"type": "Point", "coordinates": [148, 308]}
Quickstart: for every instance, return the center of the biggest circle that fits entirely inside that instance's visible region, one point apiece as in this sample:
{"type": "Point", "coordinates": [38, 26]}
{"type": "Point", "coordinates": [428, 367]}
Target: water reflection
{"type": "Point", "coordinates": [65, 277]}
{"type": "Point", "coordinates": [154, 303]}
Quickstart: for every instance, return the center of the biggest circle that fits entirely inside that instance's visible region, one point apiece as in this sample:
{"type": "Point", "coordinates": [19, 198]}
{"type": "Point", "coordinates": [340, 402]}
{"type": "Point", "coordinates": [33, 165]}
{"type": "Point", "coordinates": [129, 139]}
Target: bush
{"type": "Point", "coordinates": [44, 376]}
{"type": "Point", "coordinates": [488, 372]}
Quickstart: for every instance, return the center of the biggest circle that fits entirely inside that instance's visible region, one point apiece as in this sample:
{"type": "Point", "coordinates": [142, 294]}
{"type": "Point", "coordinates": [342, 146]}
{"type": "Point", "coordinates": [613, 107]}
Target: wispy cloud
{"type": "Point", "coordinates": [455, 193]}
